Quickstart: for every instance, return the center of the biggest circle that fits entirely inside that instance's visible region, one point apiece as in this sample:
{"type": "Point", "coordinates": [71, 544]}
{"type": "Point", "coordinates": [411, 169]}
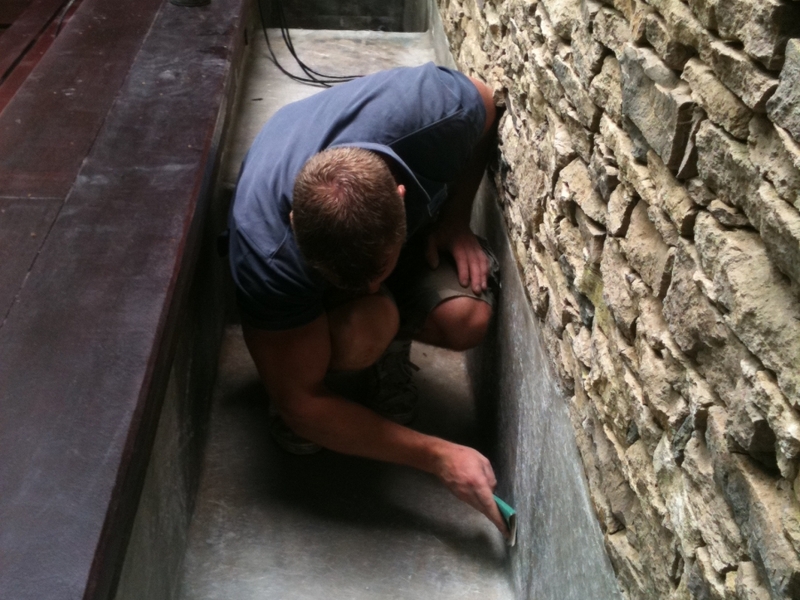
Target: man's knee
{"type": "Point", "coordinates": [458, 323]}
{"type": "Point", "coordinates": [361, 330]}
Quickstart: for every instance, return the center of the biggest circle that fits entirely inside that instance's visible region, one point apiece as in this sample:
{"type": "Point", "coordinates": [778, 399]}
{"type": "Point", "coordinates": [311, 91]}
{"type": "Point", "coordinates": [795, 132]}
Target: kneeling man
{"type": "Point", "coordinates": [350, 237]}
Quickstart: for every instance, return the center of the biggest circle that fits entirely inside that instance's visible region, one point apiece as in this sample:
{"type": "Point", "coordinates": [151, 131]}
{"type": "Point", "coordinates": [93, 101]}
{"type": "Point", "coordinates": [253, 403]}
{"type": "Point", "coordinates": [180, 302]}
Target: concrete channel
{"type": "Point", "coordinates": [268, 525]}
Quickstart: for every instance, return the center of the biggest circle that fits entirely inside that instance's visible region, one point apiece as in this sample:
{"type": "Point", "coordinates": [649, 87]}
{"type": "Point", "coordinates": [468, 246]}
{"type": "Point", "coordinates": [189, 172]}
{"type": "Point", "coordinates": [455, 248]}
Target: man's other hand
{"type": "Point", "coordinates": [471, 261]}
{"type": "Point", "coordinates": [470, 477]}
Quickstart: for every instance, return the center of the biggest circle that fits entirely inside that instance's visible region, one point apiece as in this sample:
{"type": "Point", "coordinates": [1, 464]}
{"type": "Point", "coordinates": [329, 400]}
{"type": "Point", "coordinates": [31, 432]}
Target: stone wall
{"type": "Point", "coordinates": [649, 173]}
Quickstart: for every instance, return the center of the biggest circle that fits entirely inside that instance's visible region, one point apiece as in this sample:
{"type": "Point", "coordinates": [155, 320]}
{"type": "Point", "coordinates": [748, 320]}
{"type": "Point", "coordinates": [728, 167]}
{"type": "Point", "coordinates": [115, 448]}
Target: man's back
{"type": "Point", "coordinates": [426, 120]}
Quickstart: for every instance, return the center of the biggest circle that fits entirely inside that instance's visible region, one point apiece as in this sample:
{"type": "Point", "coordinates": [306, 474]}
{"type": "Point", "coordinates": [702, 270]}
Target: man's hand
{"type": "Point", "coordinates": [469, 476]}
{"type": "Point", "coordinates": [471, 261]}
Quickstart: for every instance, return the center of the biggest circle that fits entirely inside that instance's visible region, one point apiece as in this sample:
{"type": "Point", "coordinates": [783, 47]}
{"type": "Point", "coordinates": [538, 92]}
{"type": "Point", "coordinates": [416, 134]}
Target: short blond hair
{"type": "Point", "coordinates": [347, 215]}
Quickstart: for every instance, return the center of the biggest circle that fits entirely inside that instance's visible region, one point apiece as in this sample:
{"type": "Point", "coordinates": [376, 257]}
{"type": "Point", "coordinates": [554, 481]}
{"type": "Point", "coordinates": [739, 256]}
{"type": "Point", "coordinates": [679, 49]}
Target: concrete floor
{"type": "Point", "coordinates": [270, 525]}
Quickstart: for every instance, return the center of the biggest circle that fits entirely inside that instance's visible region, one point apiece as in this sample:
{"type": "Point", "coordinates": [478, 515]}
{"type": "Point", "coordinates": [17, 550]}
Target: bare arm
{"type": "Point", "coordinates": [453, 232]}
{"type": "Point", "coordinates": [293, 364]}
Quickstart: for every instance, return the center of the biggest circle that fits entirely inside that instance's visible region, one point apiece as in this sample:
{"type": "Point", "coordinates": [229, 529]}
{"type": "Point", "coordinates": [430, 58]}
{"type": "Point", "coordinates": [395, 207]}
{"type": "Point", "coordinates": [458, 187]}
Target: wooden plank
{"type": "Point", "coordinates": [24, 223]}
{"type": "Point", "coordinates": [24, 31]}
{"type": "Point", "coordinates": [11, 9]}
{"type": "Point", "coordinates": [50, 124]}
{"type": "Point", "coordinates": [85, 352]}
{"type": "Point", "coordinates": [19, 73]}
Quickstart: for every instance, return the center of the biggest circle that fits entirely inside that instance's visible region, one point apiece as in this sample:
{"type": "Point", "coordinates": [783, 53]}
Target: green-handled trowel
{"type": "Point", "coordinates": [510, 517]}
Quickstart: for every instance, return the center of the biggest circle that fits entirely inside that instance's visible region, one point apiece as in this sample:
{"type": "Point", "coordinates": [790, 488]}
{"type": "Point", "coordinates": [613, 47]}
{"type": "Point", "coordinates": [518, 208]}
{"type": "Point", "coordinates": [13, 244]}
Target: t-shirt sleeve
{"type": "Point", "coordinates": [441, 150]}
{"type": "Point", "coordinates": [270, 293]}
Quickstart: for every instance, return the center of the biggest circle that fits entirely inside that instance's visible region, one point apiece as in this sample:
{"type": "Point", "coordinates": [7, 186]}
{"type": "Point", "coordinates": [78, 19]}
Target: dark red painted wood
{"type": "Point", "coordinates": [24, 223]}
{"type": "Point", "coordinates": [25, 29]}
{"type": "Point", "coordinates": [11, 9]}
{"type": "Point", "coordinates": [19, 73]}
{"type": "Point", "coordinates": [50, 124]}
{"type": "Point", "coordinates": [85, 351]}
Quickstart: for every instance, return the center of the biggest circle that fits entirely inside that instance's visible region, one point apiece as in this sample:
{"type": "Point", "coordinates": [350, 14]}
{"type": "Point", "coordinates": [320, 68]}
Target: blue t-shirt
{"type": "Point", "coordinates": [427, 119]}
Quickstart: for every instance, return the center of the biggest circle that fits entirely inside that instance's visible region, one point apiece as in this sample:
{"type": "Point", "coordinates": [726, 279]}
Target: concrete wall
{"type": "Point", "coordinates": [649, 174]}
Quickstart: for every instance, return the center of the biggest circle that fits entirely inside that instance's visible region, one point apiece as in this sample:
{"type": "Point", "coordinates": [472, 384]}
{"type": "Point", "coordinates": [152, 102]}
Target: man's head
{"type": "Point", "coordinates": [348, 216]}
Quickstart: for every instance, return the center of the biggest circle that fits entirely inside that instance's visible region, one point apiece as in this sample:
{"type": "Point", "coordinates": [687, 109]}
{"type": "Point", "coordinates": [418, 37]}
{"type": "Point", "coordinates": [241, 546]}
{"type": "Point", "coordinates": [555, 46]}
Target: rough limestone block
{"type": "Point", "coordinates": [570, 250]}
{"type": "Point", "coordinates": [739, 74]}
{"type": "Point", "coordinates": [748, 583]}
{"type": "Point", "coordinates": [791, 523]}
{"type": "Point", "coordinates": [688, 166]}
{"type": "Point", "coordinates": [593, 237]}
{"type": "Point", "coordinates": [578, 183]}
{"type": "Point", "coordinates": [620, 495]}
{"type": "Point", "coordinates": [657, 376]}
{"type": "Point", "coordinates": [763, 27]}
{"type": "Point", "coordinates": [784, 107]}
{"type": "Point", "coordinates": [674, 54]}
{"type": "Point", "coordinates": [651, 325]}
{"type": "Point", "coordinates": [578, 95]}
{"type": "Point", "coordinates": [584, 426]}
{"type": "Point", "coordinates": [725, 167]}
{"type": "Point", "coordinates": [640, 145]}
{"type": "Point", "coordinates": [763, 393]}
{"type": "Point", "coordinates": [627, 565]}
{"type": "Point", "coordinates": [587, 53]}
{"type": "Point", "coordinates": [692, 320]}
{"type": "Point", "coordinates": [550, 146]}
{"type": "Point", "coordinates": [612, 30]}
{"type": "Point", "coordinates": [616, 291]}
{"type": "Point", "coordinates": [757, 506]}
{"type": "Point", "coordinates": [762, 310]}
{"type": "Point", "coordinates": [642, 476]}
{"type": "Point", "coordinates": [547, 37]}
{"type": "Point", "coordinates": [563, 13]}
{"type": "Point", "coordinates": [777, 157]}
{"type": "Point", "coordinates": [562, 306]}
{"type": "Point", "coordinates": [580, 135]}
{"type": "Point", "coordinates": [610, 398]}
{"type": "Point", "coordinates": [779, 224]}
{"type": "Point", "coordinates": [714, 517]}
{"type": "Point", "coordinates": [636, 12]}
{"type": "Point", "coordinates": [699, 192]}
{"type": "Point", "coordinates": [620, 207]}
{"type": "Point", "coordinates": [712, 583]}
{"type": "Point", "coordinates": [606, 88]}
{"type": "Point", "coordinates": [683, 25]}
{"type": "Point", "coordinates": [620, 143]}
{"type": "Point", "coordinates": [674, 487]}
{"type": "Point", "coordinates": [721, 367]}
{"type": "Point", "coordinates": [603, 170]}
{"type": "Point", "coordinates": [657, 102]}
{"type": "Point", "coordinates": [706, 12]}
{"type": "Point", "coordinates": [663, 225]}
{"type": "Point", "coordinates": [728, 215]}
{"type": "Point", "coordinates": [671, 196]}
{"type": "Point", "coordinates": [545, 80]}
{"type": "Point", "coordinates": [721, 105]}
{"type": "Point", "coordinates": [748, 428]}
{"type": "Point", "coordinates": [737, 71]}
{"type": "Point", "coordinates": [646, 251]}
{"type": "Point", "coordinates": [697, 392]}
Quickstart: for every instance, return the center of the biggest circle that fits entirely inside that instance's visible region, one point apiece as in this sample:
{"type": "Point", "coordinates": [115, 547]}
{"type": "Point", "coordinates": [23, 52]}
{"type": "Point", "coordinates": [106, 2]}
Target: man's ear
{"type": "Point", "coordinates": [291, 218]}
{"type": "Point", "coordinates": [401, 191]}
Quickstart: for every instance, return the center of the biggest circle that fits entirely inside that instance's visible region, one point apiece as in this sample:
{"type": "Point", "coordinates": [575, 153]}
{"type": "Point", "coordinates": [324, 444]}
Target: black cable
{"type": "Point", "coordinates": [288, 41]}
{"type": "Point", "coordinates": [312, 77]}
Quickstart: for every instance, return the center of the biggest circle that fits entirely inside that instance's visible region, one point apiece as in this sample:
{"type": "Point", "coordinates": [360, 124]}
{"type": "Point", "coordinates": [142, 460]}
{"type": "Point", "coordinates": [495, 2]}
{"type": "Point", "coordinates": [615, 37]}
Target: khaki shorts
{"type": "Point", "coordinates": [417, 289]}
